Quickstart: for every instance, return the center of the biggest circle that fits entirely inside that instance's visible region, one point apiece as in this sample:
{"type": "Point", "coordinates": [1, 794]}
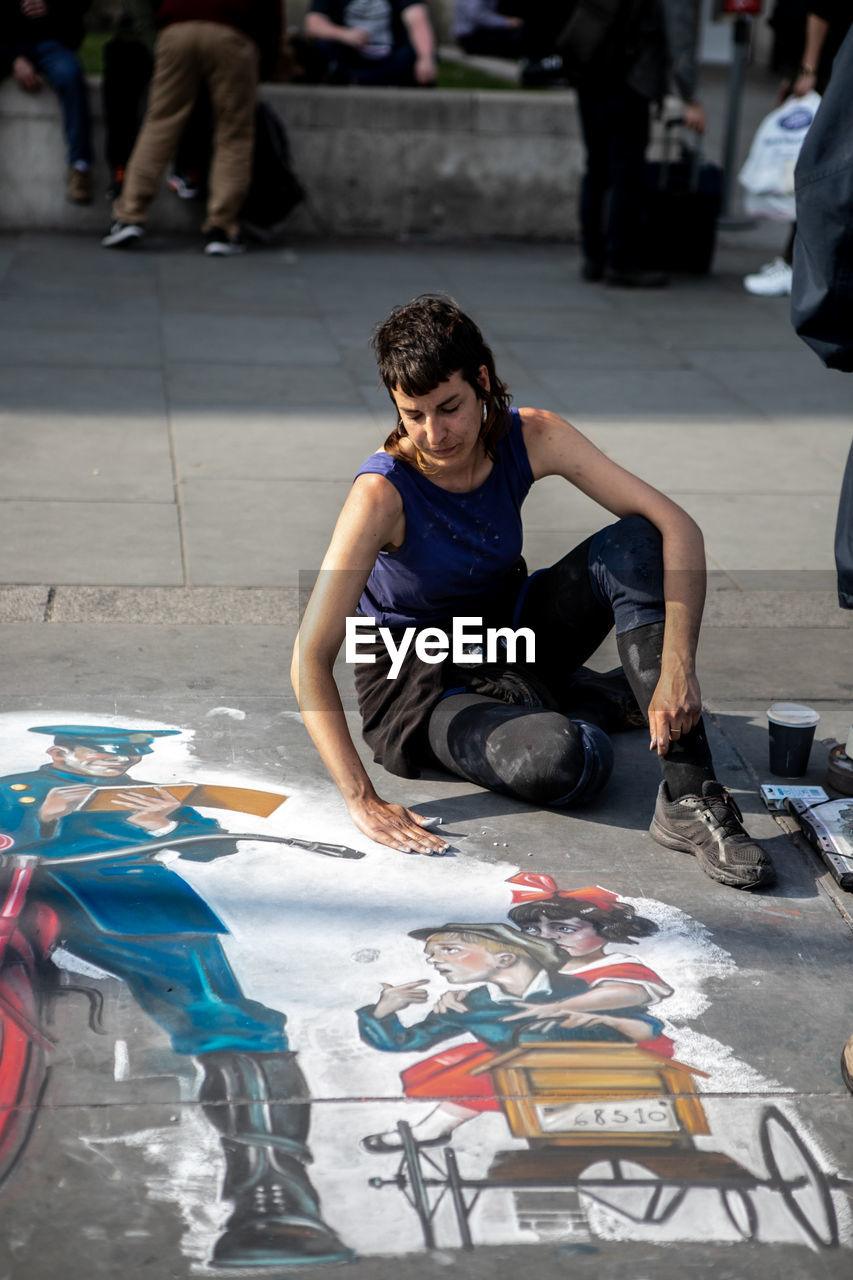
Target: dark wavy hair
{"type": "Point", "coordinates": [620, 923]}
{"type": "Point", "coordinates": [424, 342]}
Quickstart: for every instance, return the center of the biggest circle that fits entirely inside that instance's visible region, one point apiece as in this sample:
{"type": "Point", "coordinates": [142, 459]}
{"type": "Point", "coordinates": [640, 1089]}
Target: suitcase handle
{"type": "Point", "coordinates": [694, 156]}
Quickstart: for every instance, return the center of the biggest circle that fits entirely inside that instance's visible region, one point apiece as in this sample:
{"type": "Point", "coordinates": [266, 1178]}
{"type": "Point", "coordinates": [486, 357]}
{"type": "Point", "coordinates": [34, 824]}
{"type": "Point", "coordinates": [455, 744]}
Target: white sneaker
{"type": "Point", "coordinates": [122, 235]}
{"type": "Point", "coordinates": [773, 280]}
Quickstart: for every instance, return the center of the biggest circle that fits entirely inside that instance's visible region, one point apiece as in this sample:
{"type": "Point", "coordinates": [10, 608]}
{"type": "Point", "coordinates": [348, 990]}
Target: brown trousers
{"type": "Point", "coordinates": [186, 55]}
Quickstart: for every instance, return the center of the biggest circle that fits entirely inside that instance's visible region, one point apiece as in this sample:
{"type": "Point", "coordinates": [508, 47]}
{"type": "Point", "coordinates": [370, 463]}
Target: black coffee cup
{"type": "Point", "coordinates": [792, 729]}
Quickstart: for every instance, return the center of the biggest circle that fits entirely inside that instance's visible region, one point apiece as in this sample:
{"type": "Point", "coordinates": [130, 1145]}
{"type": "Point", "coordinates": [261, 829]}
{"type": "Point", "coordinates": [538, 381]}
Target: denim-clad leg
{"type": "Point", "coordinates": [626, 572]}
{"type": "Point", "coordinates": [62, 70]}
{"type": "Point", "coordinates": [547, 756]}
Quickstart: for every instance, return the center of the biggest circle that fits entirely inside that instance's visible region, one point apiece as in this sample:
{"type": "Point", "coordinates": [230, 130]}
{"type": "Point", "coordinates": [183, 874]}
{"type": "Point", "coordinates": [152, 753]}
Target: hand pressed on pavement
{"type": "Point", "coordinates": [396, 826]}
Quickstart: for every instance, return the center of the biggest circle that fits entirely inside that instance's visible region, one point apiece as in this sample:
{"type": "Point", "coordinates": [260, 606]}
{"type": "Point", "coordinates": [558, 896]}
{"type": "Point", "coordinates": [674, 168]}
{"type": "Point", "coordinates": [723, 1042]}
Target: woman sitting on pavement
{"type": "Point", "coordinates": [430, 533]}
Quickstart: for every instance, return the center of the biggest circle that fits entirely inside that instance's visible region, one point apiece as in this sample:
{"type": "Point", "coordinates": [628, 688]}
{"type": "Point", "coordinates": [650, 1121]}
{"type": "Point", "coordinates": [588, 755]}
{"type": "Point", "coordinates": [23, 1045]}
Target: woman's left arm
{"type": "Point", "coordinates": [554, 447]}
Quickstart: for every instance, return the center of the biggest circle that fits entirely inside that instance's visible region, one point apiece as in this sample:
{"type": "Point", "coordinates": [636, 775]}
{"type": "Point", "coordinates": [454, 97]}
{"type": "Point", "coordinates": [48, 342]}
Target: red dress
{"type": "Point", "coordinates": [446, 1076]}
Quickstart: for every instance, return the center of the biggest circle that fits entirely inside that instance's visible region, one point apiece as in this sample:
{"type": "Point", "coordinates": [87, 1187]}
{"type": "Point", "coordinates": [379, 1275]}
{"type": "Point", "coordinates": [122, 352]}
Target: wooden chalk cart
{"type": "Point", "coordinates": [618, 1124]}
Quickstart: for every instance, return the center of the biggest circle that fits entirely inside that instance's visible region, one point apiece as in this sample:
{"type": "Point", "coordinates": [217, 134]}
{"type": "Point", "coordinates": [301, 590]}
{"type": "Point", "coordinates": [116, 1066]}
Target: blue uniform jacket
{"type": "Point", "coordinates": [485, 1018]}
{"type": "Point", "coordinates": [127, 897]}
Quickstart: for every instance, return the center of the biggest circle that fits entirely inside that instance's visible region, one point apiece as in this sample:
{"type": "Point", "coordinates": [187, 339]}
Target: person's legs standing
{"type": "Point", "coordinates": [627, 138]}
{"type": "Point", "coordinates": [230, 62]}
{"type": "Point", "coordinates": [592, 108]}
{"type": "Point", "coordinates": [174, 86]}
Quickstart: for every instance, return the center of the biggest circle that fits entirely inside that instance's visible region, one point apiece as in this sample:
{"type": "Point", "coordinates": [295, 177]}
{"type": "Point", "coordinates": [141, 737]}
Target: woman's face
{"type": "Point", "coordinates": [444, 425]}
{"type": "Point", "coordinates": [578, 937]}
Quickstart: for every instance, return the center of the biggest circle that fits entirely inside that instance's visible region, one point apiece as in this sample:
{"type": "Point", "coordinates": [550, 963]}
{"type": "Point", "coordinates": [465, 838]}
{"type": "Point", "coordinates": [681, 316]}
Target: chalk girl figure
{"type": "Point", "coordinates": [583, 923]}
{"type": "Point", "coordinates": [430, 534]}
{"type": "Point", "coordinates": [612, 1004]}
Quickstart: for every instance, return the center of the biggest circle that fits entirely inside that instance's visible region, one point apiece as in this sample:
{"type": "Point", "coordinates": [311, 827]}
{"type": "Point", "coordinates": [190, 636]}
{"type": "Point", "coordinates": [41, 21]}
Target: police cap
{"type": "Point", "coordinates": [101, 737]}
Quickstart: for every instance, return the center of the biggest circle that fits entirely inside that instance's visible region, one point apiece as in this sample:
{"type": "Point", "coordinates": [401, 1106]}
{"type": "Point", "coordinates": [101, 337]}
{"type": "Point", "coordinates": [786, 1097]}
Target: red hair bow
{"type": "Point", "coordinates": [539, 886]}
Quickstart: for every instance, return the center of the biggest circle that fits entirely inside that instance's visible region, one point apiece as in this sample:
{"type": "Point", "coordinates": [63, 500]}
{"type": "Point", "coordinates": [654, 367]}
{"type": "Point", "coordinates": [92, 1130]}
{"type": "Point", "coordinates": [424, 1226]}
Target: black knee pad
{"type": "Point", "coordinates": [540, 756]}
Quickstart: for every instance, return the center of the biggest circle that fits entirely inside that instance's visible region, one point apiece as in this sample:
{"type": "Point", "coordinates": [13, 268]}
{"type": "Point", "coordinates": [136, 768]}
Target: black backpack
{"type": "Point", "coordinates": [274, 190]}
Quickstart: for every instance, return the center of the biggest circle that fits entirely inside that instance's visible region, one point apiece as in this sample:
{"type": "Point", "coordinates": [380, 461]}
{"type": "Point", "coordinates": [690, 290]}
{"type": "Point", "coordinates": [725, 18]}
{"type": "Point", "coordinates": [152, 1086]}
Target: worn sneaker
{"type": "Point", "coordinates": [79, 186]}
{"type": "Point", "coordinates": [185, 185]}
{"type": "Point", "coordinates": [773, 280]}
{"type": "Point", "coordinates": [218, 242]}
{"type": "Point", "coordinates": [123, 235]}
{"type": "Point", "coordinates": [710, 826]}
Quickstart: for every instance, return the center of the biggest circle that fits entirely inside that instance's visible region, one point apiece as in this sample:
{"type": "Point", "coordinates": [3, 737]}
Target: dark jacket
{"type": "Point", "coordinates": [489, 1022]}
{"type": "Point", "coordinates": [63, 22]}
{"type": "Point", "coordinates": [822, 289]}
{"type": "Point", "coordinates": [648, 45]}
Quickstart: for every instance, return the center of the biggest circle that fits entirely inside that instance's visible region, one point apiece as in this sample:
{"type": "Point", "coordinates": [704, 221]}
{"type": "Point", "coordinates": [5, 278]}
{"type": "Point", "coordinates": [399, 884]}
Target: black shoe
{"type": "Point", "coordinates": [123, 235]}
{"type": "Point", "coordinates": [219, 244]}
{"type": "Point", "coordinates": [635, 279]}
{"type": "Point", "coordinates": [710, 826]}
{"type": "Point", "coordinates": [539, 72]}
{"type": "Point", "coordinates": [266, 1230]}
{"type": "Point", "coordinates": [591, 271]}
{"type": "Point", "coordinates": [388, 1144]}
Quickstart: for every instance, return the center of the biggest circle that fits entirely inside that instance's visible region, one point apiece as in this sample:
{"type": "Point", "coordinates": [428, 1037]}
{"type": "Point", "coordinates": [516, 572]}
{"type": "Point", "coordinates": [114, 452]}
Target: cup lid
{"type": "Point", "coordinates": [793, 713]}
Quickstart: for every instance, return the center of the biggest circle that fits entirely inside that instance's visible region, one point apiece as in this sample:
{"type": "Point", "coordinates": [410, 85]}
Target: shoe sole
{"type": "Point", "coordinates": [218, 251]}
{"type": "Point", "coordinates": [764, 875]}
{"type": "Point", "coordinates": [122, 242]}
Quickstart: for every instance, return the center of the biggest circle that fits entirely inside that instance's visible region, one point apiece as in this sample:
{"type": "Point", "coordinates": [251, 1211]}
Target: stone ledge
{"type": "Point", "coordinates": [445, 163]}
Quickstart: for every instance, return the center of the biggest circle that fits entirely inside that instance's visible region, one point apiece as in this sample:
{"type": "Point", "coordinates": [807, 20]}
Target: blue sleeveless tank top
{"type": "Point", "coordinates": [458, 546]}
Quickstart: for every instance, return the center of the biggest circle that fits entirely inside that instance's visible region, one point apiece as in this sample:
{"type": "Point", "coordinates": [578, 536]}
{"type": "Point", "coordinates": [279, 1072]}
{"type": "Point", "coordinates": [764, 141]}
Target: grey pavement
{"type": "Point", "coordinates": [179, 434]}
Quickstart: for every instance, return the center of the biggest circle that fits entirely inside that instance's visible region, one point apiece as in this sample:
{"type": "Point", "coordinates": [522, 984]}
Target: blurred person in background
{"type": "Point", "coordinates": [38, 40]}
{"type": "Point", "coordinates": [127, 69]}
{"type": "Point", "coordinates": [827, 23]}
{"type": "Point", "coordinates": [371, 42]}
{"type": "Point", "coordinates": [528, 32]}
{"type": "Point", "coordinates": [622, 56]}
{"type": "Point", "coordinates": [217, 44]}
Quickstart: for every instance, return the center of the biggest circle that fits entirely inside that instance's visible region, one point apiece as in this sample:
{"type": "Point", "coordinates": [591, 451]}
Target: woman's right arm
{"type": "Point", "coordinates": [371, 516]}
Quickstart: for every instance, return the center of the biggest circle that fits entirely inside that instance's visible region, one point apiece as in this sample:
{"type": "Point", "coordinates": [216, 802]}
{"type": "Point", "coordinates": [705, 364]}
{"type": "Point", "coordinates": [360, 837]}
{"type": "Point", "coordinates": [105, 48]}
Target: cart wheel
{"type": "Point", "coordinates": [411, 1167]}
{"type": "Point", "coordinates": [796, 1174]}
{"type": "Point", "coordinates": [630, 1189]}
{"type": "Point", "coordinates": [740, 1210]}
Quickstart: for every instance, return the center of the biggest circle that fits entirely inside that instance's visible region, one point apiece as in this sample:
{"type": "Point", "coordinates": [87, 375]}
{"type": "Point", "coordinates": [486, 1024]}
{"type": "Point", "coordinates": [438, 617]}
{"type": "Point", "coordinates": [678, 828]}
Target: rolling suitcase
{"type": "Point", "coordinates": [682, 200]}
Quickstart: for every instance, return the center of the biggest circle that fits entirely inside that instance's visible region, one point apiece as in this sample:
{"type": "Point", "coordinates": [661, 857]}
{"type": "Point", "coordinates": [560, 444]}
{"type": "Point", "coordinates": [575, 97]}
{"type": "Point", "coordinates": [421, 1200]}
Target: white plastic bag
{"type": "Point", "coordinates": [768, 173]}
